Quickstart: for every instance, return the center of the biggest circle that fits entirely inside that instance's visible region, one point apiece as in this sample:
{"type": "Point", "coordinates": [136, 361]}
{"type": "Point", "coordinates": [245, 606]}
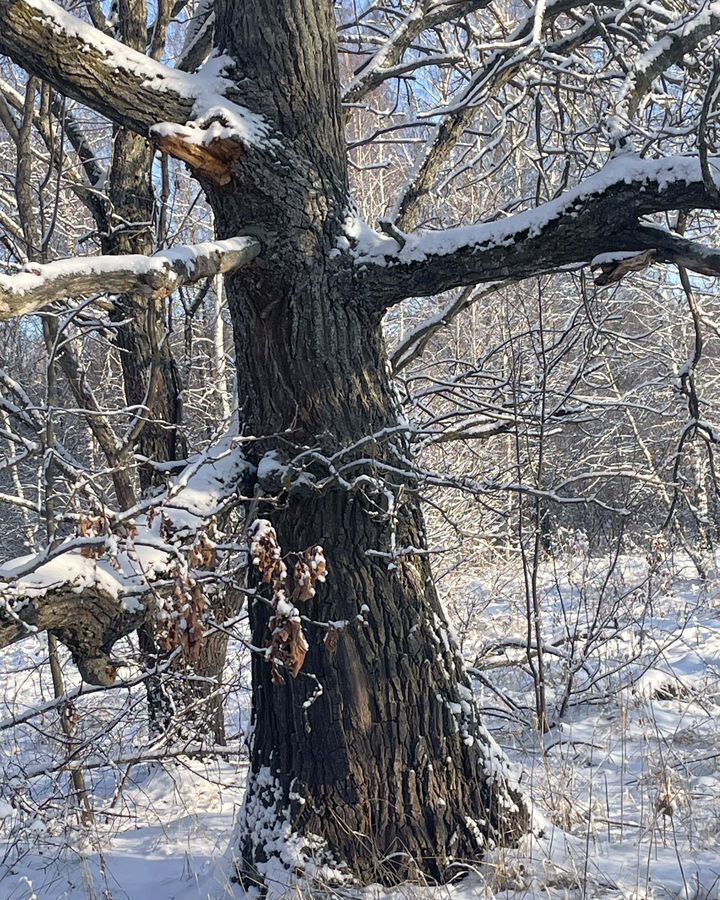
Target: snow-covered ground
{"type": "Point", "coordinates": [625, 788]}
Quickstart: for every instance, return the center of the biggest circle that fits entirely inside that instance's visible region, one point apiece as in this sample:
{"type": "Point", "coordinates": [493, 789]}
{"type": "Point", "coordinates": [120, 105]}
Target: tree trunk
{"type": "Point", "coordinates": [186, 701]}
{"type": "Point", "coordinates": [372, 760]}
{"type": "Point", "coordinates": [150, 374]}
{"type": "Point", "coordinates": [387, 774]}
{"type": "Point", "coordinates": [186, 696]}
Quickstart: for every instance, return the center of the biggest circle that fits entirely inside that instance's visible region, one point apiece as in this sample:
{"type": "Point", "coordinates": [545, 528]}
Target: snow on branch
{"type": "Point", "coordinates": [198, 36]}
{"type": "Point", "coordinates": [98, 585]}
{"type": "Point", "coordinates": [185, 114]}
{"type": "Point", "coordinates": [155, 276]}
{"type": "Point", "coordinates": [672, 45]}
{"type": "Point", "coordinates": [599, 215]}
{"type": "Point", "coordinates": [383, 64]}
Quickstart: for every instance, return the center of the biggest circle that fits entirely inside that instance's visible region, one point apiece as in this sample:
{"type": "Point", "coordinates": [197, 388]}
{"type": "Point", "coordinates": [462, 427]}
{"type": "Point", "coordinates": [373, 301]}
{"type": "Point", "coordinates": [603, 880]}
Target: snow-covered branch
{"type": "Point", "coordinates": [599, 215]}
{"type": "Point", "coordinates": [92, 67]}
{"type": "Point", "coordinates": [96, 587]}
{"type": "Point", "coordinates": [185, 114]}
{"type": "Point", "coordinates": [678, 40]}
{"type": "Point", "coordinates": [383, 64]}
{"type": "Point", "coordinates": [198, 36]}
{"type": "Point", "coordinates": [156, 276]}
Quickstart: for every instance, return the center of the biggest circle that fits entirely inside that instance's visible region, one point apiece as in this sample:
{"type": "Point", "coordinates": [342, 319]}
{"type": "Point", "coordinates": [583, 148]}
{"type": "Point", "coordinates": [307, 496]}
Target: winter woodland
{"type": "Point", "coordinates": [359, 427]}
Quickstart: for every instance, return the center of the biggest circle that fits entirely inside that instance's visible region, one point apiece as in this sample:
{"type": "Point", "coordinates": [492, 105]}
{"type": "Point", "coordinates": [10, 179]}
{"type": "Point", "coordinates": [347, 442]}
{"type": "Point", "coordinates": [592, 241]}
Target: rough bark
{"type": "Point", "coordinates": [387, 772]}
{"type": "Point", "coordinates": [91, 67]}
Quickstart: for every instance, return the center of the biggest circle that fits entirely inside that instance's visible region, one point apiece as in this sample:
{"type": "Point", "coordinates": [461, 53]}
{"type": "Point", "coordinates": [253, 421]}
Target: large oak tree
{"type": "Point", "coordinates": [372, 761]}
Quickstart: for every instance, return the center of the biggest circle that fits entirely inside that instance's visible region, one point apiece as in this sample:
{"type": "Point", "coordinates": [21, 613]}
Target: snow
{"type": "Point", "coordinates": [192, 498]}
{"type": "Point", "coordinates": [271, 470]}
{"type": "Point", "coordinates": [645, 60]}
{"type": "Point", "coordinates": [207, 87]}
{"type": "Point", "coordinates": [287, 853]}
{"type": "Point", "coordinates": [68, 569]}
{"type": "Point", "coordinates": [376, 248]}
{"type": "Point", "coordinates": [201, 488]}
{"type": "Point", "coordinates": [643, 736]}
{"type": "Point", "coordinates": [603, 259]}
{"type": "Point", "coordinates": [214, 117]}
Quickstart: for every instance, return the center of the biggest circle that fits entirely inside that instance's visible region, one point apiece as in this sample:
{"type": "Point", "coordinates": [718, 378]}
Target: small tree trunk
{"type": "Point", "coordinates": [184, 696]}
{"type": "Point", "coordinates": [87, 816]}
{"type": "Point", "coordinates": [219, 347]}
{"type": "Point", "coordinates": [65, 713]}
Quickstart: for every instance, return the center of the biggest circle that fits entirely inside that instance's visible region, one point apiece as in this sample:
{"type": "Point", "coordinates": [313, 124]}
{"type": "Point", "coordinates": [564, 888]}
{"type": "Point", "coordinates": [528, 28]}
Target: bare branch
{"type": "Point", "coordinates": [415, 343]}
{"type": "Point", "coordinates": [501, 67]}
{"type": "Point", "coordinates": [382, 64]}
{"type": "Point", "coordinates": [677, 41]}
